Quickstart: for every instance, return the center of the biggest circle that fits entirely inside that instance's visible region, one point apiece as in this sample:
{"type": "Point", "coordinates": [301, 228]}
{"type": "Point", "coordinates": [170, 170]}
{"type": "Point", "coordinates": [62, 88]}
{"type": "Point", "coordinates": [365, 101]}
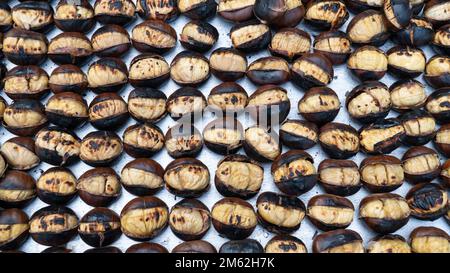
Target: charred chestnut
{"type": "Point", "coordinates": [186, 101]}
{"type": "Point", "coordinates": [427, 201]}
{"type": "Point", "coordinates": [381, 173]}
{"type": "Point", "coordinates": [269, 104]}
{"type": "Point", "coordinates": [285, 244]}
{"type": "Point", "coordinates": [438, 103]}
{"type": "Point", "coordinates": [198, 10]}
{"type": "Point", "coordinates": [142, 176]}
{"type": "Point", "coordinates": [56, 186]}
{"type": "Point", "coordinates": [100, 227]}
{"type": "Point", "coordinates": [290, 43]}
{"type": "Point", "coordinates": [228, 97]}
{"type": "Point", "coordinates": [223, 136]}
{"type": "Point", "coordinates": [368, 27]}
{"type": "Point", "coordinates": [198, 35]}
{"type": "Point", "coordinates": [144, 218]}
{"type": "Point", "coordinates": [189, 68]}
{"type": "Point", "coordinates": [57, 146]}
{"type": "Point", "coordinates": [108, 111]}
{"type": "Point", "coordinates": [26, 82]}
{"type": "Point", "coordinates": [75, 16]}
{"type": "Point", "coordinates": [57, 249]}
{"type": "Point", "coordinates": [437, 12]}
{"type": "Point", "coordinates": [398, 13]}
{"type": "Point", "coordinates": [326, 14]}
{"type": "Point", "coordinates": [268, 70]}
{"type": "Point", "coordinates": [441, 40]}
{"type": "Point", "coordinates": [429, 240]}
{"type": "Point", "coordinates": [319, 105]}
{"type": "Point", "coordinates": [15, 228]}
{"type": "Point", "coordinates": [299, 134]}
{"type": "Point", "coordinates": [67, 109]}
{"type": "Point", "coordinates": [236, 10]}
{"type": "Point", "coordinates": [110, 41]}
{"type": "Point", "coordinates": [238, 176]}
{"type": "Point", "coordinates": [107, 75]}
{"type": "Point", "coordinates": [154, 36]}
{"type": "Point", "coordinates": [437, 71]}
{"type": "Point", "coordinates": [120, 12]}
{"type": "Point", "coordinates": [340, 177]}
{"type": "Point", "coordinates": [338, 140]}
{"type": "Point", "coordinates": [196, 246]}
{"type": "Point", "coordinates": [147, 104]}
{"type": "Point", "coordinates": [143, 140]}
{"type": "Point", "coordinates": [100, 148]}
{"type": "Point", "coordinates": [24, 117]}
{"type": "Point", "coordinates": [68, 78]}
{"type": "Point", "coordinates": [6, 20]}
{"type": "Point", "coordinates": [148, 69]}
{"type": "Point", "coordinates": [357, 6]}
{"type": "Point", "coordinates": [19, 154]}
{"type": "Point", "coordinates": [33, 15]}
{"type": "Point", "coordinates": [228, 64]}
{"type": "Point", "coordinates": [442, 140]}
{"type": "Point", "coordinates": [146, 248]}
{"type": "Point", "coordinates": [333, 44]}
{"type": "Point", "coordinates": [234, 218]}
{"type": "Point", "coordinates": [182, 140]}
{"type": "Point", "coordinates": [312, 69]}
{"type": "Point", "coordinates": [407, 95]}
{"type": "Point", "coordinates": [328, 212]}
{"type": "Point", "coordinates": [250, 36]}
{"type": "Point", "coordinates": [187, 177]}
{"type": "Point", "coordinates": [420, 127]}
{"type": "Point", "coordinates": [164, 10]}
{"type": "Point", "coordinates": [338, 241]}
{"type": "Point", "coordinates": [279, 13]}
{"type": "Point", "coordinates": [421, 164]}
{"type": "Point", "coordinates": [261, 144]}
{"type": "Point", "coordinates": [242, 246]}
{"type": "Point", "coordinates": [17, 189]}
{"type": "Point", "coordinates": [32, 48]}
{"type": "Point", "coordinates": [419, 32]}
{"type": "Point", "coordinates": [368, 63]}
{"type": "Point", "coordinates": [70, 48]}
{"type": "Point", "coordinates": [389, 243]}
{"type": "Point", "coordinates": [382, 136]}
{"type": "Point", "coordinates": [53, 225]}
{"type": "Point", "coordinates": [189, 219]}
{"type": "Point", "coordinates": [99, 187]}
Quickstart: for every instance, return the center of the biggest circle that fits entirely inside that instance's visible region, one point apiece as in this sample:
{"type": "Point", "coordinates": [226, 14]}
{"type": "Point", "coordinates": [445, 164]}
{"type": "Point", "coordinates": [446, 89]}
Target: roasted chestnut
{"type": "Point", "coordinates": [381, 137]}
{"type": "Point", "coordinates": [154, 36]}
{"type": "Point", "coordinates": [67, 109]}
{"type": "Point", "coordinates": [26, 82]}
{"type": "Point", "coordinates": [421, 164]}
{"type": "Point", "coordinates": [223, 136]}
{"type": "Point", "coordinates": [417, 6]}
{"type": "Point", "coordinates": [381, 173]}
{"type": "Point", "coordinates": [319, 105]}
{"type": "Point", "coordinates": [438, 103]}
{"type": "Point", "coordinates": [24, 117]}
{"type": "Point", "coordinates": [164, 10]}
{"type": "Point", "coordinates": [236, 10]}
{"type": "Point", "coordinates": [147, 104]}
{"type": "Point", "coordinates": [6, 21]}
{"type": "Point", "coordinates": [108, 111]}
{"type": "Point", "coordinates": [398, 13]}
{"type": "Point", "coordinates": [368, 63]}
{"type": "Point", "coordinates": [57, 249]}
{"type": "Point", "coordinates": [100, 148]}
{"type": "Point", "coordinates": [234, 218]}
{"type": "Point", "coordinates": [250, 36]}
{"type": "Point", "coordinates": [261, 144]}
{"type": "Point", "coordinates": [406, 62]}
{"type": "Point", "coordinates": [57, 146]}
{"type": "Point", "coordinates": [441, 40]}
{"type": "Point", "coordinates": [143, 140]}
{"type": "Point", "coordinates": [148, 69]}
{"type": "Point", "coordinates": [312, 69]}
{"type": "Point", "coordinates": [368, 27]}
{"type": "Point", "coordinates": [120, 12]}
{"type": "Point", "coordinates": [196, 246]}
{"type": "Point", "coordinates": [146, 248]}
{"type": "Point", "coordinates": [228, 97]}
{"type": "Point", "coordinates": [333, 44]}
{"type": "Point", "coordinates": [340, 177]}
{"type": "Point", "coordinates": [290, 43]}
{"type": "Point", "coordinates": [142, 176]}
{"type": "Point", "coordinates": [445, 174]}
{"type": "Point", "coordinates": [407, 95]}
{"type": "Point", "coordinates": [110, 41]}
{"type": "Point", "coordinates": [420, 127]}
{"type": "Point", "coordinates": [268, 70]}
{"type": "Point", "coordinates": [105, 249]}
{"type": "Point", "coordinates": [328, 212]}
{"type": "Point", "coordinates": [299, 134]}
{"type": "Point", "coordinates": [17, 189]}
{"type": "Point", "coordinates": [284, 243]}
{"type": "Point", "coordinates": [53, 225]}
{"type": "Point", "coordinates": [100, 227]}
{"type": "Point", "coordinates": [56, 186]}
{"type": "Point", "coordinates": [186, 101]}
{"type": "Point", "coordinates": [199, 10]}
{"type": "Point", "coordinates": [338, 241]}
{"type": "Point", "coordinates": [238, 176]}
{"type": "Point", "coordinates": [187, 177]}
{"type": "Point", "coordinates": [19, 154]}
{"type": "Point", "coordinates": [107, 75]}
{"type": "Point", "coordinates": [3, 105]}
{"type": "Point", "coordinates": [75, 16]}
{"type": "Point", "coordinates": [183, 140]}
{"type": "Point", "coordinates": [357, 6]}
{"type": "Point", "coordinates": [189, 68]}
{"type": "Point", "coordinates": [279, 13]}
{"type": "Point", "coordinates": [24, 47]}
{"type": "Point", "coordinates": [228, 64]}
{"type": "Point", "coordinates": [442, 140]}
{"type": "Point", "coordinates": [429, 240]}
{"type": "Point", "coordinates": [242, 246]}
{"type": "Point", "coordinates": [437, 12]}
{"type": "Point", "coordinates": [389, 243]}
{"type": "Point", "coordinates": [99, 187]}
{"type": "Point", "coordinates": [33, 15]}
{"type": "Point", "coordinates": [437, 71]}
{"type": "Point", "coordinates": [418, 33]}
{"type": "Point", "coordinates": [189, 219]}
{"type": "Point", "coordinates": [144, 218]}
{"type": "Point", "coordinates": [338, 140]}
{"type": "Point", "coordinates": [70, 48]}
{"type": "Point", "coordinates": [68, 78]}
{"type": "Point", "coordinates": [198, 35]}
{"type": "Point", "coordinates": [269, 104]}
{"type": "Point", "coordinates": [427, 201]}
{"type": "Point", "coordinates": [14, 223]}
{"type": "Point", "coordinates": [326, 15]}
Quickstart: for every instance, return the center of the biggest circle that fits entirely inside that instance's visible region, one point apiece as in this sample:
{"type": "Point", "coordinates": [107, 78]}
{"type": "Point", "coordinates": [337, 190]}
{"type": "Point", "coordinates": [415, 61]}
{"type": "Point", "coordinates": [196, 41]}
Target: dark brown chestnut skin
{"type": "Point", "coordinates": [372, 141]}
{"type": "Point", "coordinates": [142, 176]}
{"type": "Point", "coordinates": [254, 144]}
{"type": "Point", "coordinates": [57, 249]}
{"type": "Point", "coordinates": [20, 182]}
{"type": "Point", "coordinates": [164, 10]}
{"type": "Point", "coordinates": [429, 240]}
{"type": "Point", "coordinates": [420, 127]}
{"type": "Point", "coordinates": [338, 140]}
{"type": "Point", "coordinates": [438, 105]}
{"type": "Point", "coordinates": [59, 110]}
{"type": "Point", "coordinates": [33, 78]}
{"type": "Point", "coordinates": [196, 246]}
{"type": "Point", "coordinates": [198, 74]}
{"type": "Point", "coordinates": [384, 212]}
{"type": "Point", "coordinates": [24, 117]}
{"type": "Point", "coordinates": [268, 70]}
{"type": "Point", "coordinates": [40, 12]}
{"type": "Point", "coordinates": [57, 146]}
{"type": "Point", "coordinates": [437, 72]}
{"type": "Point", "coordinates": [233, 218]}
{"type": "Point", "coordinates": [33, 51]}
{"type": "Point", "coordinates": [94, 142]}
{"type": "Point", "coordinates": [294, 173]}
{"type": "Point", "coordinates": [319, 105]}
{"type": "Point", "coordinates": [189, 219]}
{"type": "Point", "coordinates": [53, 225]}
{"type": "Point", "coordinates": [197, 11]}
{"type": "Point", "coordinates": [427, 201]}
{"type": "Point", "coordinates": [283, 243]}
{"type": "Point", "coordinates": [183, 140]}
{"type": "Point", "coordinates": [333, 44]}
{"type": "Point", "coordinates": [225, 66]}
{"type": "Point", "coordinates": [75, 16]}
{"type": "Point", "coordinates": [347, 185]}
{"type": "Point", "coordinates": [104, 250]}
{"type": "Point", "coordinates": [418, 33]}
{"type": "Point", "coordinates": [279, 13]}
{"type": "Point", "coordinates": [68, 78]}
{"type": "Point", "coordinates": [385, 179]}
{"type": "Point", "coordinates": [56, 186]}
{"type": "Point", "coordinates": [368, 27]}
{"type": "Point", "coordinates": [283, 41]}
{"type": "Point", "coordinates": [110, 41]}
{"type": "Point", "coordinates": [325, 15]}
{"type": "Point", "coordinates": [338, 241]}
{"type": "Point", "coordinates": [280, 213]}
{"type": "Point", "coordinates": [147, 105]}
{"type": "Point", "coordinates": [102, 196]}
{"type": "Point", "coordinates": [365, 72]}
{"type": "Point", "coordinates": [321, 206]}
{"type": "Point", "coordinates": [436, 12]}
{"type": "Point", "coordinates": [259, 40]}
{"type": "Point", "coordinates": [421, 164]}
{"type": "Point", "coordinates": [247, 246]}
{"type": "Point", "coordinates": [186, 95]}
{"type": "Point", "coordinates": [228, 98]}
{"type": "Point", "coordinates": [119, 12]}
{"type": "Point", "coordinates": [234, 11]}
{"type": "Point", "coordinates": [441, 40]}
{"type": "Point", "coordinates": [146, 248]}
{"type": "Point", "coordinates": [15, 224]}
{"type": "Point", "coordinates": [102, 70]}
{"type": "Point", "coordinates": [269, 104]}
{"type": "Point", "coordinates": [445, 174]}
{"type": "Point", "coordinates": [388, 243]}
{"type": "Point", "coordinates": [219, 133]}
{"type": "Point", "coordinates": [151, 220]}
{"type": "Point", "coordinates": [199, 36]}
{"type": "Point", "coordinates": [413, 89]}
{"type": "Point", "coordinates": [321, 73]}
{"type": "Point", "coordinates": [100, 227]}
{"type": "Point", "coordinates": [406, 62]}
{"type": "Point", "coordinates": [398, 13]}
{"type": "Point", "coordinates": [193, 183]}
{"type": "Point", "coordinates": [441, 142]}
{"type": "Point", "coordinates": [6, 21]}
{"type": "Point", "coordinates": [238, 176]}
{"type": "Point", "coordinates": [164, 33]}
{"type": "Point", "coordinates": [148, 70]}
{"type": "Point", "coordinates": [108, 111]}
{"type": "Point", "coordinates": [78, 53]}
{"type": "Point", "coordinates": [298, 134]}
{"type": "Point", "coordinates": [18, 153]}
{"type": "Point", "coordinates": [358, 6]}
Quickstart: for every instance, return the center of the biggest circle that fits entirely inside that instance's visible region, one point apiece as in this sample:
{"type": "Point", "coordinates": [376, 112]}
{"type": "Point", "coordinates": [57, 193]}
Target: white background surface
{"type": "Point", "coordinates": [342, 84]}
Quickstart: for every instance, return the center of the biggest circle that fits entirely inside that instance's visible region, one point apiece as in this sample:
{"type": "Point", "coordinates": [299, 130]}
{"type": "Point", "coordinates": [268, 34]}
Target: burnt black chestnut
{"type": "Point", "coordinates": [75, 16]}
{"type": "Point", "coordinates": [147, 105]}
{"type": "Point", "coordinates": [26, 82]}
{"type": "Point", "coordinates": [338, 241]}
{"type": "Point", "coordinates": [100, 227]}
{"type": "Point", "coordinates": [299, 134]}
{"type": "Point", "coordinates": [67, 110]}
{"type": "Point", "coordinates": [421, 164]}
{"type": "Point", "coordinates": [105, 249]}
{"type": "Point", "coordinates": [142, 176]}
{"type": "Point", "coordinates": [279, 13]}
{"type": "Point", "coordinates": [228, 64]}
{"type": "Point", "coordinates": [99, 187]}
{"type": "Point", "coordinates": [381, 173]}
{"type": "Point", "coordinates": [418, 33]}
{"type": "Point", "coordinates": [70, 48]}
{"type": "Point", "coordinates": [242, 246]}
{"type": "Point", "coordinates": [100, 148]}
{"type": "Point", "coordinates": [110, 41]}
{"type": "Point", "coordinates": [57, 186]}
{"type": "Point", "coordinates": [187, 177]}
{"type": "Point", "coordinates": [14, 222]}
{"type": "Point", "coordinates": [427, 201]}
{"type": "Point", "coordinates": [333, 182]}
{"type": "Point", "coordinates": [19, 154]}
{"type": "Point", "coordinates": [108, 74]}
{"type": "Point", "coordinates": [108, 111]}
{"type": "Point", "coordinates": [328, 212]}
{"type": "Point", "coordinates": [189, 219]}
{"type": "Point", "coordinates": [68, 78]}
{"type": "Point", "coordinates": [199, 36]}
{"type": "Point", "coordinates": [183, 140]}
{"type": "Point", "coordinates": [24, 117]}
{"type": "Point", "coordinates": [398, 13]}
{"type": "Point", "coordinates": [57, 146]}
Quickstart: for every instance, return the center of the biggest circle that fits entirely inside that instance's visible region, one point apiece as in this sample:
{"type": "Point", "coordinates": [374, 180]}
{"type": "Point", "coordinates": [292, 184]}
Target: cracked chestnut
{"type": "Point", "coordinates": [407, 95]}
{"type": "Point", "coordinates": [153, 36]}
{"type": "Point", "coordinates": [381, 173]}
{"type": "Point", "coordinates": [187, 177]}
{"type": "Point", "coordinates": [70, 48]}
{"type": "Point", "coordinates": [284, 243]}
{"type": "Point", "coordinates": [105, 249]}
{"type": "Point", "coordinates": [186, 101]}
{"type": "Point", "coordinates": [261, 144]}
{"type": "Point", "coordinates": [15, 228]}
{"type": "Point", "coordinates": [75, 16]}
{"type": "Point", "coordinates": [99, 187]}
{"type": "Point", "coordinates": [189, 69]}
{"type": "Point", "coordinates": [290, 43]}
{"type": "Point", "coordinates": [437, 71]}
{"type": "Point", "coordinates": [143, 140]}
{"type": "Point", "coordinates": [163, 10]}
{"type": "Point", "coordinates": [299, 134]}
{"type": "Point", "coordinates": [381, 137]}
{"type": "Point", "coordinates": [325, 15]}
{"type": "Point", "coordinates": [110, 41]}
{"type": "Point", "coordinates": [319, 105]}
{"type": "Point", "coordinates": [223, 135]}
{"type": "Point", "coordinates": [338, 140]}
{"type": "Point", "coordinates": [198, 36]}
{"type": "Point", "coordinates": [420, 127]}
{"type": "Point", "coordinates": [438, 105]}
{"type": "Point", "coordinates": [228, 98]}
{"type": "Point", "coordinates": [437, 12]}
{"type": "Point", "coordinates": [142, 176]}
{"type": "Point", "coordinates": [445, 173]}
{"type": "Point", "coordinates": [147, 105]}
{"type": "Point", "coordinates": [236, 10]}
{"type": "Point", "coordinates": [406, 62]}
{"type": "Point", "coordinates": [333, 44]}
{"type": "Point", "coordinates": [388, 243]}
{"type": "Point", "coordinates": [108, 111]}
{"type": "Point", "coordinates": [19, 153]}
{"type": "Point", "coordinates": [418, 33]}
{"type": "Point", "coordinates": [196, 246]}
{"type": "Point", "coordinates": [312, 69]}
{"type": "Point", "coordinates": [24, 117]}
{"type": "Point", "coordinates": [228, 64]}
{"type": "Point", "coordinates": [279, 13]}
{"type": "Point", "coordinates": [33, 15]}
{"type": "Point", "coordinates": [148, 70]}
{"type": "Point", "coordinates": [32, 49]}
{"type": "Point", "coordinates": [338, 241]}
{"type": "Point", "coordinates": [183, 140]}
{"type": "Point", "coordinates": [329, 212]}
{"type": "Point", "coordinates": [68, 78]}
{"type": "Point", "coordinates": [146, 248]}
{"type": "Point", "coordinates": [26, 82]}
{"type": "Point", "coordinates": [441, 40]}
{"type": "Point", "coordinates": [189, 219]}
{"type": "Point", "coordinates": [100, 148]}
{"type": "Point", "coordinates": [108, 74]}
{"type": "Point", "coordinates": [429, 240]}
{"type": "Point", "coordinates": [67, 110]}
{"type": "Point", "coordinates": [242, 246]}
{"type": "Point", "coordinates": [442, 140]}
{"type": "Point", "coordinates": [57, 186]}
{"type": "Point", "coordinates": [421, 164]}
{"type": "Point", "coordinates": [99, 227]}
{"type": "Point", "coordinates": [269, 104]}
{"type": "Point", "coordinates": [17, 189]}
{"type": "Point", "coordinates": [119, 12]}
{"type": "Point", "coordinates": [6, 20]}
{"type": "Point", "coordinates": [197, 10]}
{"type": "Point", "coordinates": [268, 70]}
{"type": "Point", "coordinates": [250, 36]}
{"type": "Point", "coordinates": [368, 63]}
{"type": "Point", "coordinates": [398, 13]}
{"type": "Point", "coordinates": [339, 177]}
{"type": "Point", "coordinates": [368, 27]}
{"type": "Point", "coordinates": [57, 146]}
{"type": "Point", "coordinates": [427, 201]}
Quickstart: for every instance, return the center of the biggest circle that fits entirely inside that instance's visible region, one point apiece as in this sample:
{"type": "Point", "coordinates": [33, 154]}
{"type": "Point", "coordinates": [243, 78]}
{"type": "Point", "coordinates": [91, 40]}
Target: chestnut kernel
{"type": "Point", "coordinates": [429, 240]}
{"type": "Point", "coordinates": [17, 189]}
{"type": "Point", "coordinates": [228, 97]}
{"type": "Point", "coordinates": [299, 134]}
{"type": "Point", "coordinates": [186, 101]}
{"type": "Point", "coordinates": [338, 140]}
{"type": "Point", "coordinates": [19, 154]}
{"type": "Point", "coordinates": [427, 201]}
{"type": "Point", "coordinates": [269, 104]}
{"type": "Point", "coordinates": [68, 78]}
{"type": "Point", "coordinates": [196, 246]}
{"type": "Point", "coordinates": [143, 140]}
{"type": "Point", "coordinates": [242, 246]}
{"type": "Point", "coordinates": [406, 62]}
{"type": "Point", "coordinates": [284, 243]}
{"type": "Point", "coordinates": [146, 248]}
{"type": "Point", "coordinates": [438, 103]}
{"type": "Point", "coordinates": [120, 12]}
{"type": "Point", "coordinates": [338, 241]}
{"type": "Point", "coordinates": [368, 27]}
{"type": "Point", "coordinates": [381, 173]}
{"type": "Point", "coordinates": [154, 36]}
{"type": "Point", "coordinates": [250, 36]}
{"type": "Point", "coordinates": [108, 111]}
{"type": "Point", "coordinates": [261, 144]}
{"type": "Point", "coordinates": [381, 137]}
{"type": "Point", "coordinates": [164, 10]}
{"type": "Point", "coordinates": [199, 36]}
{"type": "Point", "coordinates": [33, 15]}
{"type": "Point", "coordinates": [32, 48]}
{"type": "Point", "coordinates": [421, 164]}
{"type": "Point", "coordinates": [368, 63]}
{"type": "Point", "coordinates": [75, 16]}
{"type": "Point", "coordinates": [24, 117]}
{"type": "Point", "coordinates": [70, 48]}
{"type": "Point", "coordinates": [340, 177]}
{"type": "Point", "coordinates": [407, 95]}
{"type": "Point", "coordinates": [6, 20]}
{"type": "Point", "coordinates": [189, 68]}
{"type": "Point", "coordinates": [189, 219]}
{"type": "Point", "coordinates": [107, 75]}
{"type": "Point", "coordinates": [57, 186]}
{"type": "Point", "coordinates": [441, 40]}
{"type": "Point", "coordinates": [187, 177]}
{"type": "Point", "coordinates": [223, 135]}
{"type": "Point", "coordinates": [268, 70]}
{"type": "Point", "coordinates": [445, 174]}
{"type": "Point", "coordinates": [26, 82]}
{"type": "Point", "coordinates": [147, 104]}
{"type": "Point", "coordinates": [442, 140]}
{"type": "Point", "coordinates": [333, 44]}
{"type": "Point", "coordinates": [436, 11]}
{"type": "Point", "coordinates": [142, 176]}
{"type": "Point", "coordinates": [57, 146]}
{"type": "Point", "coordinates": [100, 227]}
{"type": "Point", "coordinates": [182, 140]}
{"type": "Point", "coordinates": [326, 15]}
{"type": "Point", "coordinates": [420, 127]}
{"type": "Point", "coordinates": [290, 43]}
{"type": "Point", "coordinates": [437, 71]}
{"type": "Point", "coordinates": [312, 69]}
{"type": "Point", "coordinates": [15, 227]}
{"type": "Point", "coordinates": [328, 212]}
{"type": "Point", "coordinates": [319, 105]}
{"type": "Point", "coordinates": [389, 243]}
{"type": "Point", "coordinates": [148, 69]}
{"type": "Point", "coordinates": [67, 109]}
{"type": "Point", "coordinates": [110, 41]}
{"type": "Point", "coordinates": [99, 187]}
{"type": "Point", "coordinates": [100, 148]}
{"type": "Point", "coordinates": [279, 13]}
{"type": "Point", "coordinates": [228, 64]}
{"type": "Point", "coordinates": [236, 10]}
